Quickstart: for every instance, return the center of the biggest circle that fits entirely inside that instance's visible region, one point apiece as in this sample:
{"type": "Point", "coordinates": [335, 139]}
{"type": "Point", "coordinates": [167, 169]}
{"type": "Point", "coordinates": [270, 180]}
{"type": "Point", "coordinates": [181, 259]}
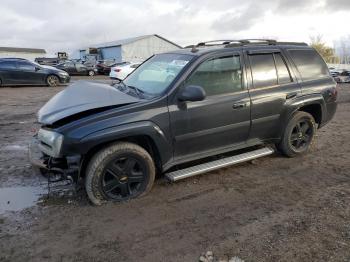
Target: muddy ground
{"type": "Point", "coordinates": [274, 209]}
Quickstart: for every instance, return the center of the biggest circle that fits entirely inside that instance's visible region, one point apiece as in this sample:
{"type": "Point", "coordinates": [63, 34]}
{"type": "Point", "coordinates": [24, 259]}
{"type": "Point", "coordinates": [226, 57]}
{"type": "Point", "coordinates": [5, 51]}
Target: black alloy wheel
{"type": "Point", "coordinates": [301, 135]}
{"type": "Point", "coordinates": [298, 134]}
{"type": "Point", "coordinates": [119, 172]}
{"type": "Point", "coordinates": [124, 178]}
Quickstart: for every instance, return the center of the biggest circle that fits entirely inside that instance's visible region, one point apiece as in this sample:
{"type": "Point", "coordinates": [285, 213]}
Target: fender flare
{"type": "Point", "coordinates": [120, 132]}
{"type": "Point", "coordinates": [305, 100]}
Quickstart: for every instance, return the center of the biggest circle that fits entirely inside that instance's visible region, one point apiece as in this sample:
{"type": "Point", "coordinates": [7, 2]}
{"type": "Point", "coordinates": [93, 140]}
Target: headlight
{"type": "Point", "coordinates": [63, 73]}
{"type": "Point", "coordinates": [50, 142]}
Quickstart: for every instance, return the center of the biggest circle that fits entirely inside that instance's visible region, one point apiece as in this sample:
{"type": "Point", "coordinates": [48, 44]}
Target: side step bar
{"type": "Point", "coordinates": [206, 167]}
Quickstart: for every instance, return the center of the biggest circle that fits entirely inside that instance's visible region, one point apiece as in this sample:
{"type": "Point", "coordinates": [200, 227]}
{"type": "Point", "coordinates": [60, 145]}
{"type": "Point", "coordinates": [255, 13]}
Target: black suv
{"type": "Point", "coordinates": [185, 106]}
{"type": "Point", "coordinates": [18, 71]}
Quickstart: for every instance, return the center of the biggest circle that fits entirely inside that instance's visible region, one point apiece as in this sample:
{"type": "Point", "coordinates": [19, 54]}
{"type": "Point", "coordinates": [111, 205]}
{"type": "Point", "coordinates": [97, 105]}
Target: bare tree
{"type": "Point", "coordinates": [327, 52]}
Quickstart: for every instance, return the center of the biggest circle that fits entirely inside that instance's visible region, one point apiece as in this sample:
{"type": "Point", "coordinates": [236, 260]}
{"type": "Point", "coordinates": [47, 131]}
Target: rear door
{"type": "Point", "coordinates": [8, 72]}
{"type": "Point", "coordinates": [81, 69]}
{"type": "Point", "coordinates": [272, 86]}
{"type": "Point", "coordinates": [220, 121]}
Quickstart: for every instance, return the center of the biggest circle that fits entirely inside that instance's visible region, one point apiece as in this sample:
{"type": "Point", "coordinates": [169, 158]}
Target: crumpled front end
{"type": "Point", "coordinates": [55, 168]}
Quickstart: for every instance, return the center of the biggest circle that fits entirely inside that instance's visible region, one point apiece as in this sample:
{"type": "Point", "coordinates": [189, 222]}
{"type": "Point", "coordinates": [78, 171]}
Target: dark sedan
{"type": "Point", "coordinates": [74, 68]}
{"type": "Point", "coordinates": [17, 71]}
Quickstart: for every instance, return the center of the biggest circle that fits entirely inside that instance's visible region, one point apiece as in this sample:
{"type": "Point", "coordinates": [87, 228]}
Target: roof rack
{"type": "Point", "coordinates": [244, 42]}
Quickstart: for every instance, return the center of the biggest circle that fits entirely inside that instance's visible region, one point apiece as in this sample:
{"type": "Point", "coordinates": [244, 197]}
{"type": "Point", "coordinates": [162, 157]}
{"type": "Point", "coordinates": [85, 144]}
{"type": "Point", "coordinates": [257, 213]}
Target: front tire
{"type": "Point", "coordinates": [119, 172]}
{"type": "Point", "coordinates": [298, 134]}
{"type": "Point", "coordinates": [52, 80]}
{"type": "Point", "coordinates": [91, 73]}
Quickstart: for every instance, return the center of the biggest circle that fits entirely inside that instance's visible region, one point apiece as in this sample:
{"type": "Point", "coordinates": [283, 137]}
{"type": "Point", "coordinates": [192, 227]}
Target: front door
{"type": "Point", "coordinates": [222, 119]}
{"type": "Point", "coordinates": [27, 73]}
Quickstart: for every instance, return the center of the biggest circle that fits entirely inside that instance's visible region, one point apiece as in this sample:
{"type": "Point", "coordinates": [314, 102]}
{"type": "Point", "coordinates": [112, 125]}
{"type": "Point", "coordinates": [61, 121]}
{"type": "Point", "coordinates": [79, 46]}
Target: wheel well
{"type": "Point", "coordinates": [52, 74]}
{"type": "Point", "coordinates": [315, 110]}
{"type": "Point", "coordinates": [143, 140]}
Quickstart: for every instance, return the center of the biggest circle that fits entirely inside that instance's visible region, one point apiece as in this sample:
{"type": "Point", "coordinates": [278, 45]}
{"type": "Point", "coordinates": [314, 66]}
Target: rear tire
{"type": "Point", "coordinates": [119, 172]}
{"type": "Point", "coordinates": [52, 80]}
{"type": "Point", "coordinates": [298, 135]}
{"type": "Point", "coordinates": [91, 73]}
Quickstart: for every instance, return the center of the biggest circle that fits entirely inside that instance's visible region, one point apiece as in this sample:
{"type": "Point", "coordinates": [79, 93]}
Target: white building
{"type": "Point", "coordinates": [130, 49]}
{"type": "Point", "coordinates": [27, 53]}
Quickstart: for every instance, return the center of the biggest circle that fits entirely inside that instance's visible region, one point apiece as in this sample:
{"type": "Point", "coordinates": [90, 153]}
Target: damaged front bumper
{"type": "Point", "coordinates": [55, 169]}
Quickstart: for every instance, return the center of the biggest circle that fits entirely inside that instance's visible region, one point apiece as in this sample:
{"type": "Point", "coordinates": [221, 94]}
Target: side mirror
{"type": "Point", "coordinates": [37, 68]}
{"type": "Point", "coordinates": [191, 93]}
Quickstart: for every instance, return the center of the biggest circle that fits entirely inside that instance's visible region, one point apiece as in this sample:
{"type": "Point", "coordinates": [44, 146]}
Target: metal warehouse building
{"type": "Point", "coordinates": [28, 53]}
{"type": "Point", "coordinates": [130, 49]}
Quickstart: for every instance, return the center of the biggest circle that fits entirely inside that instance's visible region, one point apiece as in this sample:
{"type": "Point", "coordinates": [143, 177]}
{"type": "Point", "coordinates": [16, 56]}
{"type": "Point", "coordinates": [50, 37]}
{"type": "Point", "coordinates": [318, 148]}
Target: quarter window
{"type": "Point", "coordinates": [309, 63]}
{"type": "Point", "coordinates": [263, 70]}
{"type": "Point", "coordinates": [218, 75]}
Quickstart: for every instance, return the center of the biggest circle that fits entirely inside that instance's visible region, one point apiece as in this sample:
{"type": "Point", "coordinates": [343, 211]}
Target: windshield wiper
{"type": "Point", "coordinates": [138, 91]}
{"type": "Point", "coordinates": [123, 87]}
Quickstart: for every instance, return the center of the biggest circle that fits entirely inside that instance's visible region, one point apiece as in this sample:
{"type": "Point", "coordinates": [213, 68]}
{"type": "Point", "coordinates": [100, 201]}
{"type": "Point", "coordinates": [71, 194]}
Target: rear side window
{"type": "Point", "coordinates": [22, 65]}
{"type": "Point", "coordinates": [263, 70]}
{"type": "Point", "coordinates": [7, 65]}
{"type": "Point", "coordinates": [282, 70]}
{"type": "Point", "coordinates": [309, 63]}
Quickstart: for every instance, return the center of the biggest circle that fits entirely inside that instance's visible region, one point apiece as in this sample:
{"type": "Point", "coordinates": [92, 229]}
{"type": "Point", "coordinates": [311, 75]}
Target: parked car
{"type": "Point", "coordinates": [103, 66]}
{"type": "Point", "coordinates": [120, 72]}
{"type": "Point", "coordinates": [179, 109]}
{"type": "Point", "coordinates": [74, 68]}
{"type": "Point", "coordinates": [344, 77]}
{"type": "Point", "coordinates": [17, 71]}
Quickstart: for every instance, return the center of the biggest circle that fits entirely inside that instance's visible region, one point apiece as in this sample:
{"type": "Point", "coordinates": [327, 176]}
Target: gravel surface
{"type": "Point", "coordinates": [271, 209]}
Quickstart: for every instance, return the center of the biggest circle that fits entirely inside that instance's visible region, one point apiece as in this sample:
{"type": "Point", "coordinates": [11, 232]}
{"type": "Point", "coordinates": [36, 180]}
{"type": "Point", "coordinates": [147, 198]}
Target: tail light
{"type": "Point", "coordinates": [117, 70]}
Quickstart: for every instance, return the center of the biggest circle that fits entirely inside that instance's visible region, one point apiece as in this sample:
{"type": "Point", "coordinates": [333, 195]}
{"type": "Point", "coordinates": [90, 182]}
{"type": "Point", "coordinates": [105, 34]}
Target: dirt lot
{"type": "Point", "coordinates": [274, 209]}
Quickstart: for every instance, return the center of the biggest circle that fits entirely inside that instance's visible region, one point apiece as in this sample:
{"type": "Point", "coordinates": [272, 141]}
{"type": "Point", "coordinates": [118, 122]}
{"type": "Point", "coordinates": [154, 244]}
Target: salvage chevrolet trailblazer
{"type": "Point", "coordinates": [179, 109]}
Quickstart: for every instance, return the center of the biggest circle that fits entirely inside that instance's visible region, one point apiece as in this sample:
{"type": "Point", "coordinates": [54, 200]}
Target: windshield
{"type": "Point", "coordinates": [157, 73]}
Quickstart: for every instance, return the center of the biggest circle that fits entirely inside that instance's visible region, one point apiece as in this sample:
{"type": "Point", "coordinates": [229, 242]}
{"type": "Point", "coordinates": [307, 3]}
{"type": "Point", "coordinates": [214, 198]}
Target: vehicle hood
{"type": "Point", "coordinates": [79, 97]}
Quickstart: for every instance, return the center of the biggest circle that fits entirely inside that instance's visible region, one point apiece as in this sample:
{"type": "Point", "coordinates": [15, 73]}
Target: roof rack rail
{"type": "Point", "coordinates": [216, 42]}
{"type": "Point", "coordinates": [244, 42]}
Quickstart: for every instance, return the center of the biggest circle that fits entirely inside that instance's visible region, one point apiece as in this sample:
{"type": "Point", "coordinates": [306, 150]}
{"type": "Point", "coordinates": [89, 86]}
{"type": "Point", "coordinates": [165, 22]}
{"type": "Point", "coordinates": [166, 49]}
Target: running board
{"type": "Point", "coordinates": [228, 161]}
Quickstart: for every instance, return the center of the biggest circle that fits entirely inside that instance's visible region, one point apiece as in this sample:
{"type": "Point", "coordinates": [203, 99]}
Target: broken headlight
{"type": "Point", "coordinates": [50, 142]}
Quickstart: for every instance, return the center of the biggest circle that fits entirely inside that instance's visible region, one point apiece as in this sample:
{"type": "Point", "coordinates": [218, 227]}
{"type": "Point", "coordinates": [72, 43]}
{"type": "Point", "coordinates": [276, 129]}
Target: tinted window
{"type": "Point", "coordinates": [7, 65]}
{"type": "Point", "coordinates": [263, 70]}
{"type": "Point", "coordinates": [22, 65]}
{"type": "Point", "coordinates": [218, 76]}
{"type": "Point", "coordinates": [309, 63]}
{"type": "Point", "coordinates": [282, 70]}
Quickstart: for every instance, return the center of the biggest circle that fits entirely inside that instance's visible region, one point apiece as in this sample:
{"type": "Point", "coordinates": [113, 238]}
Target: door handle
{"type": "Point", "coordinates": [239, 105]}
{"type": "Point", "coordinates": [291, 95]}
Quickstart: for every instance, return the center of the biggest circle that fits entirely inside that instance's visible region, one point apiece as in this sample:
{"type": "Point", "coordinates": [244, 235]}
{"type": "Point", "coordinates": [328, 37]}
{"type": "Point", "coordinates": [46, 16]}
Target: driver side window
{"type": "Point", "coordinates": [218, 75]}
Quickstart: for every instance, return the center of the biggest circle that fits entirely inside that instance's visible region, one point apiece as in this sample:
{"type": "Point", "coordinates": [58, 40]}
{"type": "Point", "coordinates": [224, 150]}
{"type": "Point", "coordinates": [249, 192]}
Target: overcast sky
{"type": "Point", "coordinates": [63, 25]}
